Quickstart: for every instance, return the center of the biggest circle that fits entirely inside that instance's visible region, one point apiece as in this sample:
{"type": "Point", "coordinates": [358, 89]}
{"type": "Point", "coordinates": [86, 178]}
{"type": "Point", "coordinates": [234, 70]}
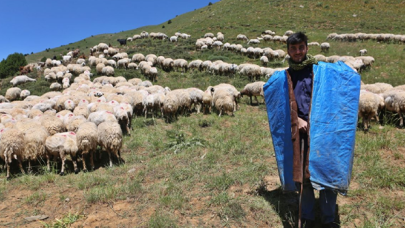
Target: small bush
{"type": "Point", "coordinates": [319, 4]}
{"type": "Point", "coordinates": [169, 21]}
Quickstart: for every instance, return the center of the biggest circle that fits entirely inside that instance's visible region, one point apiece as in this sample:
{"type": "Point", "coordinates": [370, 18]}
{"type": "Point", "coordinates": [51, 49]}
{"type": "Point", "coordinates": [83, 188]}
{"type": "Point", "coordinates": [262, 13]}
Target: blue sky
{"type": "Point", "coordinates": [32, 26]}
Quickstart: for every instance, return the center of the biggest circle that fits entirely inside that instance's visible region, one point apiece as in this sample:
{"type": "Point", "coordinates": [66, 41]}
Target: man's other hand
{"type": "Point", "coordinates": [302, 125]}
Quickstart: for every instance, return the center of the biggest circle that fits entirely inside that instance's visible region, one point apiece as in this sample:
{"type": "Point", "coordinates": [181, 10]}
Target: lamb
{"type": "Point", "coordinates": [21, 79]}
{"type": "Point", "coordinates": [25, 93]}
{"type": "Point", "coordinates": [11, 146]}
{"type": "Point", "coordinates": [110, 139]}
{"type": "Point", "coordinates": [62, 144]}
{"type": "Point", "coordinates": [253, 89]}
{"type": "Point", "coordinates": [368, 107]}
{"type": "Point", "coordinates": [363, 52]}
{"type": "Point", "coordinates": [87, 141]}
{"type": "Point", "coordinates": [13, 93]}
{"type": "Point", "coordinates": [325, 46]}
{"type": "Point", "coordinates": [173, 39]}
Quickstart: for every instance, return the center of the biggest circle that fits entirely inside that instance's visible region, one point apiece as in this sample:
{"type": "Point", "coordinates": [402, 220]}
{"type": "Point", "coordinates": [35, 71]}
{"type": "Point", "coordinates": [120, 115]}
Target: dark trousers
{"type": "Point", "coordinates": [327, 197]}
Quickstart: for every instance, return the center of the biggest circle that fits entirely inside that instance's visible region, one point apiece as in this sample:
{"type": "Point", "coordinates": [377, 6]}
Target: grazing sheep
{"type": "Point", "coordinates": [108, 70]}
{"type": "Point", "coordinates": [170, 106]}
{"type": "Point", "coordinates": [34, 146]}
{"type": "Point", "coordinates": [368, 107]}
{"type": "Point", "coordinates": [363, 52]}
{"type": "Point", "coordinates": [110, 139]}
{"type": "Point", "coordinates": [325, 46]}
{"type": "Point", "coordinates": [253, 89]}
{"type": "Point", "coordinates": [21, 79]}
{"type": "Point", "coordinates": [242, 37]}
{"type": "Point", "coordinates": [264, 60]}
{"type": "Point", "coordinates": [223, 102]}
{"type": "Point", "coordinates": [12, 146]}
{"type": "Point", "coordinates": [394, 101]}
{"type": "Point", "coordinates": [87, 141]}
{"type": "Point", "coordinates": [62, 144]}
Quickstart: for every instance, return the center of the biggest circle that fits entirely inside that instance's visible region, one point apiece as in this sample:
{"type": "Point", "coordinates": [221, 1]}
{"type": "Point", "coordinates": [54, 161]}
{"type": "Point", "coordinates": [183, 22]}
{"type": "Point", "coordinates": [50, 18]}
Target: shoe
{"type": "Point", "coordinates": [331, 225]}
{"type": "Point", "coordinates": [306, 223]}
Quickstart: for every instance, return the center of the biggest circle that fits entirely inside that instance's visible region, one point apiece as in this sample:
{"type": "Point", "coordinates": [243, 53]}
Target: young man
{"type": "Point", "coordinates": [313, 150]}
{"type": "Point", "coordinates": [301, 72]}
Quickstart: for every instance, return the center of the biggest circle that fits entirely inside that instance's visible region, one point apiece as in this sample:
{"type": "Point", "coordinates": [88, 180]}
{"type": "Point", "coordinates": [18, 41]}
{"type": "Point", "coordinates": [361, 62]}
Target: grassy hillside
{"type": "Point", "coordinates": [210, 171]}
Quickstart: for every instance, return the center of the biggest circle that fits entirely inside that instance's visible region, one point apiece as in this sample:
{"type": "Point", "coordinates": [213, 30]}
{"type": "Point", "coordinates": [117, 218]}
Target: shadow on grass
{"type": "Point", "coordinates": [286, 205]}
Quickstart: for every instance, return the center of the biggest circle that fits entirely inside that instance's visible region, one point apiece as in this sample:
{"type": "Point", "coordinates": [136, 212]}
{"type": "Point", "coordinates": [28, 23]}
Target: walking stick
{"type": "Point", "coordinates": [302, 184]}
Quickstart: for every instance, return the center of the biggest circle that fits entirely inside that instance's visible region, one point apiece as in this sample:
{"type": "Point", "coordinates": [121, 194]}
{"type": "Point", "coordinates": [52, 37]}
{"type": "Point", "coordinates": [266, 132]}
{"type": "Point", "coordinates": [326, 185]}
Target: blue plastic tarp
{"type": "Point", "coordinates": [333, 121]}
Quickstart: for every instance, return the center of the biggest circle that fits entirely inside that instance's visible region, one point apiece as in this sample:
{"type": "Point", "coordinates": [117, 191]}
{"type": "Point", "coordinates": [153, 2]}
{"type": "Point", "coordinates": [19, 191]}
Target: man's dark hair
{"type": "Point", "coordinates": [296, 38]}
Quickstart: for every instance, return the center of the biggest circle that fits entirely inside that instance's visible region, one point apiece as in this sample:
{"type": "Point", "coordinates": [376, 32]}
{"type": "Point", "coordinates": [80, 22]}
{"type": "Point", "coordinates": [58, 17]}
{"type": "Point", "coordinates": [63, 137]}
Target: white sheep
{"type": "Point", "coordinates": [101, 116]}
{"type": "Point", "coordinates": [21, 79]}
{"type": "Point", "coordinates": [110, 139]}
{"type": "Point", "coordinates": [12, 146]}
{"type": "Point", "coordinates": [108, 70]}
{"type": "Point", "coordinates": [254, 41]}
{"type": "Point", "coordinates": [170, 106]}
{"type": "Point", "coordinates": [13, 93]}
{"type": "Point", "coordinates": [253, 89]}
{"type": "Point", "coordinates": [24, 93]}
{"type": "Point", "coordinates": [173, 39]}
{"type": "Point", "coordinates": [34, 144]}
{"type": "Point", "coordinates": [264, 60]}
{"type": "Point", "coordinates": [363, 52]}
{"type": "Point", "coordinates": [394, 101]}
{"type": "Point", "coordinates": [369, 104]}
{"type": "Point", "coordinates": [62, 144]}
{"type": "Point", "coordinates": [87, 141]}
{"type": "Point", "coordinates": [325, 46]}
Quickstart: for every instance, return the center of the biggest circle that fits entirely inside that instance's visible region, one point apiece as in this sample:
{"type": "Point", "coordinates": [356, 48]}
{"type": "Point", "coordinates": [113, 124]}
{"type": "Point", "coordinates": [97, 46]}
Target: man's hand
{"type": "Point", "coordinates": [302, 125]}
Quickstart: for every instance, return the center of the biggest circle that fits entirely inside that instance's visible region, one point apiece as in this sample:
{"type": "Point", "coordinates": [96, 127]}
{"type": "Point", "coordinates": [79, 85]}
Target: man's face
{"type": "Point", "coordinates": [297, 52]}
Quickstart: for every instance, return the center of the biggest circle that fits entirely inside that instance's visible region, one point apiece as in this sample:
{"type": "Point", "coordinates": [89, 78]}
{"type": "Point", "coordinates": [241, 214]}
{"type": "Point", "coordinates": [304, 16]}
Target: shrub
{"type": "Point", "coordinates": [11, 65]}
{"type": "Point", "coordinates": [169, 21]}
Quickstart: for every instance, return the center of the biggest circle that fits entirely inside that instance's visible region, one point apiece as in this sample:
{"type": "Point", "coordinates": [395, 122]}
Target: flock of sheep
{"type": "Point", "coordinates": [90, 112]}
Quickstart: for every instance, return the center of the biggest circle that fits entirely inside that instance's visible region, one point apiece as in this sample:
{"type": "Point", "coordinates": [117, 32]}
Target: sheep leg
{"type": "Point", "coordinates": [74, 160]}
{"type": "Point", "coordinates": [48, 165]}
{"type": "Point", "coordinates": [250, 99]}
{"type": "Point", "coordinates": [84, 154]}
{"type": "Point", "coordinates": [63, 158]}
{"type": "Point", "coordinates": [91, 159]}
{"type": "Point", "coordinates": [257, 101]}
{"type": "Point", "coordinates": [401, 120]}
{"type": "Point", "coordinates": [109, 156]}
{"type": "Point", "coordinates": [20, 165]}
{"type": "Point", "coordinates": [8, 170]}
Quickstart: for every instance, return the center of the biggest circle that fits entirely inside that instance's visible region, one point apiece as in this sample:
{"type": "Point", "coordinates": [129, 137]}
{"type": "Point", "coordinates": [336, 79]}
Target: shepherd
{"type": "Point", "coordinates": [312, 110]}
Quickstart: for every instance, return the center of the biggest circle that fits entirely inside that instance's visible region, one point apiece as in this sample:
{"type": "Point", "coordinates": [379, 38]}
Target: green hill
{"type": "Point", "coordinates": [251, 17]}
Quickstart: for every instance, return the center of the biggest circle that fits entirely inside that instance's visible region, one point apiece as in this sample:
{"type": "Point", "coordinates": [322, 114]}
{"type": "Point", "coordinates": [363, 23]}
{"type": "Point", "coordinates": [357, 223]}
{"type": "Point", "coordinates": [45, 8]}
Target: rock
{"type": "Point", "coordinates": [37, 217]}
